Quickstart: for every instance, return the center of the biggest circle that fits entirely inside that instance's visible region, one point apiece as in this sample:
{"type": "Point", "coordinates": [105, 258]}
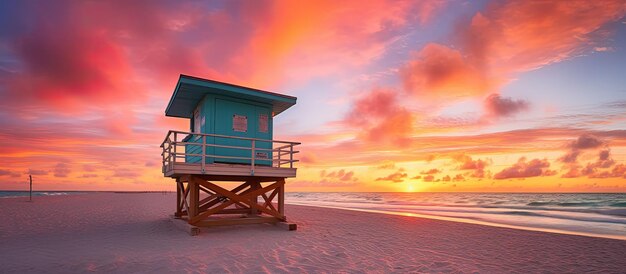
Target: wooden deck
{"type": "Point", "coordinates": [177, 169]}
{"type": "Point", "coordinates": [196, 165]}
{"type": "Point", "coordinates": [183, 157]}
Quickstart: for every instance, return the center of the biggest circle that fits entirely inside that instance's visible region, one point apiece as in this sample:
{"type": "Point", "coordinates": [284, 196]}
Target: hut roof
{"type": "Point", "coordinates": [190, 90]}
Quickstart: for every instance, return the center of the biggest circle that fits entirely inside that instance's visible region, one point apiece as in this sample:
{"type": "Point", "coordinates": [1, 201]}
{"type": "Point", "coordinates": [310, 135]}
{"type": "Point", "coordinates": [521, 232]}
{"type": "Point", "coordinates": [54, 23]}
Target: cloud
{"type": "Point", "coordinates": [341, 175]}
{"type": "Point", "coordinates": [308, 158]}
{"type": "Point", "coordinates": [323, 184]}
{"type": "Point", "coordinates": [586, 141]}
{"type": "Point", "coordinates": [437, 70]}
{"type": "Point", "coordinates": [498, 106]}
{"type": "Point", "coordinates": [89, 175]}
{"type": "Point", "coordinates": [524, 169]}
{"type": "Point", "coordinates": [478, 166]}
{"type": "Point", "coordinates": [381, 116]}
{"type": "Point", "coordinates": [597, 169]}
{"type": "Point", "coordinates": [386, 165]}
{"type": "Point", "coordinates": [396, 177]}
{"type": "Point", "coordinates": [430, 171]}
{"type": "Point", "coordinates": [61, 170]}
{"type": "Point", "coordinates": [126, 173]}
{"type": "Point", "coordinates": [37, 172]}
{"type": "Point", "coordinates": [570, 157]}
{"type": "Point", "coordinates": [429, 178]}
{"type": "Point", "coordinates": [573, 172]}
{"type": "Point", "coordinates": [513, 36]}
{"type": "Point", "coordinates": [4, 172]}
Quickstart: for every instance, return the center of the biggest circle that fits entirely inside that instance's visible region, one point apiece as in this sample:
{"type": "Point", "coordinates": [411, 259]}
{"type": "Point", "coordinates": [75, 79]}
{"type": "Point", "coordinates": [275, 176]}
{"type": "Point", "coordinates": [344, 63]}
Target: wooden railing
{"type": "Point", "coordinates": [177, 143]}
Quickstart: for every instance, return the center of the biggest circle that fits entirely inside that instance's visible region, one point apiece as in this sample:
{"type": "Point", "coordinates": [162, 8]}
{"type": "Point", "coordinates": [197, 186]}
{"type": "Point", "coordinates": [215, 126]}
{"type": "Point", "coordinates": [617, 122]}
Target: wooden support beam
{"type": "Point", "coordinates": [178, 198]}
{"type": "Point", "coordinates": [254, 199]}
{"type": "Point", "coordinates": [238, 198]}
{"type": "Point", "coordinates": [205, 190]}
{"type": "Point", "coordinates": [281, 199]}
{"type": "Point", "coordinates": [185, 193]}
{"type": "Point", "coordinates": [242, 199]}
{"type": "Point", "coordinates": [238, 221]}
{"type": "Point", "coordinates": [268, 202]}
{"type": "Point", "coordinates": [217, 201]}
{"type": "Point", "coordinates": [271, 198]}
{"type": "Point", "coordinates": [194, 197]}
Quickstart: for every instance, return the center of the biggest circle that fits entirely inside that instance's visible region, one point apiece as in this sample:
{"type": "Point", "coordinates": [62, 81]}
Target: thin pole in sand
{"type": "Point", "coordinates": [30, 177]}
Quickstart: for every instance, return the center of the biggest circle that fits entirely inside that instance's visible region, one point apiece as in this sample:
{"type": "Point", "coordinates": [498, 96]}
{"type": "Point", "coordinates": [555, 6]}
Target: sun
{"type": "Point", "coordinates": [410, 188]}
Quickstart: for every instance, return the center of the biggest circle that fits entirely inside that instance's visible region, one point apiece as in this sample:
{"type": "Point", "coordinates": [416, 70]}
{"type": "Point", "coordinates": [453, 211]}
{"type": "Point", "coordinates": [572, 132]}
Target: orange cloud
{"type": "Point", "coordinates": [396, 177]}
{"type": "Point", "coordinates": [341, 175]}
{"type": "Point", "coordinates": [430, 171]}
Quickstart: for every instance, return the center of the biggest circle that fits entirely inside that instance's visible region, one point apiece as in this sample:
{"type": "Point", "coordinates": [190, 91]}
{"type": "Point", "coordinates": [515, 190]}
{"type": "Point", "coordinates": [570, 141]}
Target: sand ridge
{"type": "Point", "coordinates": [122, 233]}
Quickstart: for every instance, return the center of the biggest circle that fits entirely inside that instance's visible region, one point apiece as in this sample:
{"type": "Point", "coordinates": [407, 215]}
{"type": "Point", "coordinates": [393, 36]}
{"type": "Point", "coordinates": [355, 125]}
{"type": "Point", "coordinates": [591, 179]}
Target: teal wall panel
{"type": "Point", "coordinates": [229, 116]}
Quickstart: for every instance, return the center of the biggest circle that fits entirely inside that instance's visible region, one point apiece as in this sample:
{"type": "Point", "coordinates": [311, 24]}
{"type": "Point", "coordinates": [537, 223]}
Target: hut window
{"type": "Point", "coordinates": [263, 123]}
{"type": "Point", "coordinates": [240, 123]}
{"type": "Point", "coordinates": [196, 121]}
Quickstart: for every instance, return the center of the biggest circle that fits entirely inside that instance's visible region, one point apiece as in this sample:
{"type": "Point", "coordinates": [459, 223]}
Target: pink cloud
{"type": "Point", "coordinates": [478, 166]}
{"type": "Point", "coordinates": [381, 116]}
{"type": "Point", "coordinates": [524, 169]}
{"type": "Point", "coordinates": [61, 170]}
{"type": "Point", "coordinates": [586, 141]}
{"type": "Point", "coordinates": [442, 71]}
{"type": "Point", "coordinates": [497, 106]}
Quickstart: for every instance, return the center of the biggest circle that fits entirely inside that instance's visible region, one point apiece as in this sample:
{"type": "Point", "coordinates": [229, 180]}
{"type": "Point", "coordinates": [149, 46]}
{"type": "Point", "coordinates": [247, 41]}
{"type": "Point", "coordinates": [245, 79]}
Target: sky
{"type": "Point", "coordinates": [476, 96]}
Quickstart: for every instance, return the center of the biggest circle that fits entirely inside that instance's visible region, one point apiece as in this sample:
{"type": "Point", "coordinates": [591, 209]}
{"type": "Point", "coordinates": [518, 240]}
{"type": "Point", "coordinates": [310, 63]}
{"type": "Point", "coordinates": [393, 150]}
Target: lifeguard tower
{"type": "Point", "coordinates": [230, 140]}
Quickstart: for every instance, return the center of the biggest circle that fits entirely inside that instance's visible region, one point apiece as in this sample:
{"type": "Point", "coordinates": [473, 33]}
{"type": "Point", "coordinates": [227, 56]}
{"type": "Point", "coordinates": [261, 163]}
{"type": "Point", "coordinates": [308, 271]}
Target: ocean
{"type": "Point", "coordinates": [12, 194]}
{"type": "Point", "coordinates": [599, 215]}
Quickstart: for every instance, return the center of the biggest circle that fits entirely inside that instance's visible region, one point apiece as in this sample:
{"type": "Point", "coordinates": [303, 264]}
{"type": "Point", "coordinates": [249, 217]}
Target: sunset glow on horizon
{"type": "Point", "coordinates": [408, 96]}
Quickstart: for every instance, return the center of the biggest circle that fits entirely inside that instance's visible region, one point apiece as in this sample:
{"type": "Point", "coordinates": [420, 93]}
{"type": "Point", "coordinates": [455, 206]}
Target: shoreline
{"type": "Point", "coordinates": [470, 221]}
{"type": "Point", "coordinates": [114, 232]}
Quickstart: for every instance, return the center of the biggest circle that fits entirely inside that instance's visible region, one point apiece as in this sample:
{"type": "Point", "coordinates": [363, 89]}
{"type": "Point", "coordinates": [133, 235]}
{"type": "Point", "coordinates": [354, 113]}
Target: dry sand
{"type": "Point", "coordinates": [131, 233]}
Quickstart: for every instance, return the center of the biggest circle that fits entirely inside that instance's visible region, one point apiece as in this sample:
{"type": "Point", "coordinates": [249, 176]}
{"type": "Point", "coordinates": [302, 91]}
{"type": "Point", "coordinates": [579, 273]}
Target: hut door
{"type": "Point", "coordinates": [234, 119]}
{"type": "Point", "coordinates": [263, 119]}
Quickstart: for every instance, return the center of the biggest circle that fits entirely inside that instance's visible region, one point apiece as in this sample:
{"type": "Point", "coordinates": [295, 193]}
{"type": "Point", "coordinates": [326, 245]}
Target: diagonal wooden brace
{"type": "Point", "coordinates": [235, 198]}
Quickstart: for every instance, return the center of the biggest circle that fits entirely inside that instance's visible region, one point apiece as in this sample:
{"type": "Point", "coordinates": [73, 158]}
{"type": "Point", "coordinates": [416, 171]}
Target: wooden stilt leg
{"type": "Point", "coordinates": [194, 197]}
{"type": "Point", "coordinates": [178, 199]}
{"type": "Point", "coordinates": [281, 200]}
{"type": "Point", "coordinates": [255, 198]}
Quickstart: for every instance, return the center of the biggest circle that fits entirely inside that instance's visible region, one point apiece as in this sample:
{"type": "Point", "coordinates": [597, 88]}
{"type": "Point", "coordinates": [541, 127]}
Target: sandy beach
{"type": "Point", "coordinates": [132, 233]}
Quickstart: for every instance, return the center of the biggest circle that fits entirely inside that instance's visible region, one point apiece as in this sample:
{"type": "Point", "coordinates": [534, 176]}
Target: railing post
{"type": "Point", "coordinates": [169, 154]}
{"type": "Point", "coordinates": [279, 152]}
{"type": "Point", "coordinates": [252, 158]}
{"type": "Point", "coordinates": [291, 156]}
{"type": "Point", "coordinates": [163, 161]}
{"type": "Point", "coordinates": [203, 152]}
{"type": "Point", "coordinates": [175, 147]}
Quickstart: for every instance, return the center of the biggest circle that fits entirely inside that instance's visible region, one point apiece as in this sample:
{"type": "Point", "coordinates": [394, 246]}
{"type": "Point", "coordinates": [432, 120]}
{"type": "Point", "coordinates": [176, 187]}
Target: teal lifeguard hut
{"type": "Point", "coordinates": [230, 138]}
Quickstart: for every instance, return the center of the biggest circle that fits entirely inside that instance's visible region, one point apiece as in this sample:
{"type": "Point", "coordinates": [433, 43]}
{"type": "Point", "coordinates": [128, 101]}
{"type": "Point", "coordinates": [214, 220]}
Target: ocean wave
{"type": "Point", "coordinates": [619, 204]}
